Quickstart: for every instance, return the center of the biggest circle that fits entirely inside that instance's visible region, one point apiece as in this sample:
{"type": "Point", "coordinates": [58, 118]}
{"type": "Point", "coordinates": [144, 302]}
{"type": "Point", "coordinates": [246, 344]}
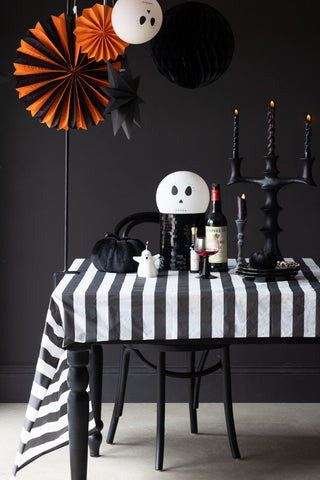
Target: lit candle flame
{"type": "Point", "coordinates": [236, 112]}
{"type": "Point", "coordinates": [272, 104]}
{"type": "Point", "coordinates": [147, 244]}
{"type": "Point", "coordinates": [243, 196]}
{"type": "Point", "coordinates": [308, 118]}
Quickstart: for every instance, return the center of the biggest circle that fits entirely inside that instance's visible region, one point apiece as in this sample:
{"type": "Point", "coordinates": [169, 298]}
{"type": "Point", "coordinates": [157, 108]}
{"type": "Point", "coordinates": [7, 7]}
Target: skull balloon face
{"type": "Point", "coordinates": [182, 192]}
{"type": "Point", "coordinates": [136, 21]}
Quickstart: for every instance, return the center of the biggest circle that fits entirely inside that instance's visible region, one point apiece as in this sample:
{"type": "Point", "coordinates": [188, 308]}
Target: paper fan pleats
{"type": "Point", "coordinates": [57, 82]}
{"type": "Point", "coordinates": [96, 36]}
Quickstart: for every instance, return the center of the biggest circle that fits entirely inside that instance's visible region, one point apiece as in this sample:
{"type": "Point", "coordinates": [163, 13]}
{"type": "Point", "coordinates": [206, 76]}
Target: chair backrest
{"type": "Point", "coordinates": [126, 224]}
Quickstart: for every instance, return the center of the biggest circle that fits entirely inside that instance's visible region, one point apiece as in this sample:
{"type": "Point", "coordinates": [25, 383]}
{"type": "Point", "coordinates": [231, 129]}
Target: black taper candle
{"type": "Point", "coordinates": [307, 141]}
{"type": "Point", "coordinates": [271, 130]}
{"type": "Point", "coordinates": [235, 145]}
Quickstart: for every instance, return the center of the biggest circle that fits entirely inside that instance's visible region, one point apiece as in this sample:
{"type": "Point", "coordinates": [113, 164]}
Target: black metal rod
{"type": "Point", "coordinates": [66, 199]}
{"type": "Point", "coordinates": [192, 410]}
{"type": "Point", "coordinates": [68, 7]}
{"type": "Point", "coordinates": [161, 395]}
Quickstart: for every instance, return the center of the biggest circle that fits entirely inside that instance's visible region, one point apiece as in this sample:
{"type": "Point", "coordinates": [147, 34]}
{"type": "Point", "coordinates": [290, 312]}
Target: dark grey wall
{"type": "Point", "coordinates": [277, 57]}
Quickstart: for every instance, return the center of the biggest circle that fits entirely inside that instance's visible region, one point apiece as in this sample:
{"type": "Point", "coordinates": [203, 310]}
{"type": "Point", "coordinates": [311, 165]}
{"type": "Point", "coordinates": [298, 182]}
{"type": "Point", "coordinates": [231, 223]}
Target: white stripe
{"type": "Point", "coordinates": [57, 329]}
{"type": "Point", "coordinates": [240, 306]}
{"type": "Point", "coordinates": [38, 391]}
{"type": "Point", "coordinates": [172, 305]}
{"type": "Point", "coordinates": [21, 459]}
{"type": "Point", "coordinates": [52, 348]}
{"type": "Point", "coordinates": [45, 368]}
{"type": "Point", "coordinates": [310, 302]}
{"type": "Point", "coordinates": [103, 307]}
{"type": "Point", "coordinates": [194, 307]}
{"type": "Point", "coordinates": [217, 306]}
{"type": "Point", "coordinates": [57, 293]}
{"type": "Point", "coordinates": [125, 306]}
{"type": "Point", "coordinates": [263, 310]}
{"type": "Point", "coordinates": [79, 304]}
{"type": "Point", "coordinates": [148, 308]}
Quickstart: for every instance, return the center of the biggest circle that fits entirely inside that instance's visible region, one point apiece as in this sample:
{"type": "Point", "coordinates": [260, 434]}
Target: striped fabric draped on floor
{"type": "Point", "coordinates": [95, 307]}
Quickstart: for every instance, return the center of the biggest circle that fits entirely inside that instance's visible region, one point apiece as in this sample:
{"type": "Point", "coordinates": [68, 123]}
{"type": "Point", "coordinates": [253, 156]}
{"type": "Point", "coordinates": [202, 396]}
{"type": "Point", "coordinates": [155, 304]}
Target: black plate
{"type": "Point", "coordinates": [283, 271]}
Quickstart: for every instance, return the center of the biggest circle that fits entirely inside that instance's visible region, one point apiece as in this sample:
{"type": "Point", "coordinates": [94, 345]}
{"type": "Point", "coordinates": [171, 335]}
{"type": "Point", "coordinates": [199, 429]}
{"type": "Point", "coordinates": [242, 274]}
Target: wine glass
{"type": "Point", "coordinates": [200, 249]}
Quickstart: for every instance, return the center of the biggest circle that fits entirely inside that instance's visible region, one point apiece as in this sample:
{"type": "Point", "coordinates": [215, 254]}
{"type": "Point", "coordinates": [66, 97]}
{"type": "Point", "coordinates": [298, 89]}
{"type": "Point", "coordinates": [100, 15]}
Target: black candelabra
{"type": "Point", "coordinates": [271, 183]}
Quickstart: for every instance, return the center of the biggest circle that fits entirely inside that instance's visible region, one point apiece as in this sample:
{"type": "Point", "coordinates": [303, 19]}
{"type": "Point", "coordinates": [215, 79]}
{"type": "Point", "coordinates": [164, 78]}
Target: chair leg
{"type": "Point", "coordinates": [121, 390]}
{"type": "Point", "coordinates": [228, 410]}
{"type": "Point", "coordinates": [161, 394]}
{"type": "Point", "coordinates": [192, 383]}
{"type": "Point", "coordinates": [95, 381]}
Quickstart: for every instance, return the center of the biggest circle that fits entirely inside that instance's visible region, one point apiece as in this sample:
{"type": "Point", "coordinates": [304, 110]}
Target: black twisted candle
{"type": "Point", "coordinates": [235, 145]}
{"type": "Point", "coordinates": [271, 130]}
{"type": "Point", "coordinates": [307, 142]}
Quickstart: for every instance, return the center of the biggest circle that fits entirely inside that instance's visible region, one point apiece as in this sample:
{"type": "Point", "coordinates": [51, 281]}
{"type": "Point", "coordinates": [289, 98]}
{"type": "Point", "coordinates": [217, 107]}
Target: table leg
{"type": "Point", "coordinates": [95, 381]}
{"type": "Point", "coordinates": [78, 413]}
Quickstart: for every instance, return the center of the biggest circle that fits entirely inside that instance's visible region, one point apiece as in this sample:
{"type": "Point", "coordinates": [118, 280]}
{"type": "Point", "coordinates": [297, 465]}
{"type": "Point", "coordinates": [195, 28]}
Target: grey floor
{"type": "Point", "coordinates": [277, 441]}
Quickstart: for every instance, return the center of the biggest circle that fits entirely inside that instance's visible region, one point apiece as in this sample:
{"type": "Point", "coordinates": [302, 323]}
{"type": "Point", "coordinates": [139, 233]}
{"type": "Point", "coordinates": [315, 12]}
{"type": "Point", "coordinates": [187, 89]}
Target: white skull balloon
{"type": "Point", "coordinates": [136, 21]}
{"type": "Point", "coordinates": [182, 193]}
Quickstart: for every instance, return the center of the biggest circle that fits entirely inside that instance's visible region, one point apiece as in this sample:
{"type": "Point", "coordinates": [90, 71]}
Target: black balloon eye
{"type": "Point", "coordinates": [142, 20]}
{"type": "Point", "coordinates": [174, 190]}
{"type": "Point", "coordinates": [152, 21]}
{"type": "Point", "coordinates": [188, 191]}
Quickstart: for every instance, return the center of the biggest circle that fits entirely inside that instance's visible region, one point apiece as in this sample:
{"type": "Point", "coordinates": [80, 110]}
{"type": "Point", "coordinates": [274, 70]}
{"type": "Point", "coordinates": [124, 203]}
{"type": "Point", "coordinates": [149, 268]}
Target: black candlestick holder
{"type": "Point", "coordinates": [271, 184]}
{"type": "Point", "coordinates": [241, 224]}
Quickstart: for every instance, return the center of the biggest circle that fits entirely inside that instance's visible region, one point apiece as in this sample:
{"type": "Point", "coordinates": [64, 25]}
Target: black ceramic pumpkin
{"type": "Point", "coordinates": [263, 260]}
{"type": "Point", "coordinates": [114, 254]}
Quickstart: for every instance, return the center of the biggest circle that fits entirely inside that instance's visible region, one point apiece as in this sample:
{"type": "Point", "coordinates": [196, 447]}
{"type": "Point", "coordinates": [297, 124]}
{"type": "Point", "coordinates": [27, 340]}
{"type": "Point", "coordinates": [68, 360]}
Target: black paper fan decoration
{"type": "Point", "coordinates": [194, 46]}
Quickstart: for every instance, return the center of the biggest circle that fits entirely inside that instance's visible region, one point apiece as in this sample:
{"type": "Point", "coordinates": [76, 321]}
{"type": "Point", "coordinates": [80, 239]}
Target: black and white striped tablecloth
{"type": "Point", "coordinates": [99, 307]}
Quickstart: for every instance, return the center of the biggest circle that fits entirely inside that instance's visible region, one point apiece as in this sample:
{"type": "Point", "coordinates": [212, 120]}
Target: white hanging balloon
{"type": "Point", "coordinates": [136, 21]}
{"type": "Point", "coordinates": [182, 193]}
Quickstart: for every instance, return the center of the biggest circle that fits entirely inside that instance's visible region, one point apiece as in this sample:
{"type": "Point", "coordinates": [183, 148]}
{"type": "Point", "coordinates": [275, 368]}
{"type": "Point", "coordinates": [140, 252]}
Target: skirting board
{"type": "Point", "coordinates": [250, 384]}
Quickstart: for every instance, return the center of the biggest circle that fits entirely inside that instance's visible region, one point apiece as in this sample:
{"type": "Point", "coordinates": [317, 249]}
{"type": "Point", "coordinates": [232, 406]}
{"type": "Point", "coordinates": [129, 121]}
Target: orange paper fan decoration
{"type": "Point", "coordinates": [57, 82]}
{"type": "Point", "coordinates": [95, 34]}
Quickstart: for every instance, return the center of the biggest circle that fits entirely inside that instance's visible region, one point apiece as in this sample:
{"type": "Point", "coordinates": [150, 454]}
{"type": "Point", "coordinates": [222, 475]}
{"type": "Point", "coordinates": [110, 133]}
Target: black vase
{"type": "Point", "coordinates": [175, 238]}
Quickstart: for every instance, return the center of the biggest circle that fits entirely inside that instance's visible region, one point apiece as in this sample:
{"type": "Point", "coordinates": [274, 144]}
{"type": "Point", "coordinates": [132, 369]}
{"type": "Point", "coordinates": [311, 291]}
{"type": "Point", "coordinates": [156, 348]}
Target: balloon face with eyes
{"type": "Point", "coordinates": [182, 193]}
{"type": "Point", "coordinates": [136, 21]}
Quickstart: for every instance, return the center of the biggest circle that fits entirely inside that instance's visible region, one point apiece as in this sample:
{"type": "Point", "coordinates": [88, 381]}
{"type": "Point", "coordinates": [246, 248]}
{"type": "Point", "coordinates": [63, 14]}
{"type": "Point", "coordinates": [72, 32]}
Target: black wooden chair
{"type": "Point", "coordinates": [194, 373]}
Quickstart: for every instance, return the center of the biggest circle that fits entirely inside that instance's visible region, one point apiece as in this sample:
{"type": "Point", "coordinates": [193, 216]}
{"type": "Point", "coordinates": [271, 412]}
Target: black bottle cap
{"type": "Point", "coordinates": [215, 186]}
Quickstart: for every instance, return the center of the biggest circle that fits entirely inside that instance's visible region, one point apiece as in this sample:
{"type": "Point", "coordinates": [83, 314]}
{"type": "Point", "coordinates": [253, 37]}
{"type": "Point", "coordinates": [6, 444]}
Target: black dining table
{"type": "Point", "coordinates": [90, 308]}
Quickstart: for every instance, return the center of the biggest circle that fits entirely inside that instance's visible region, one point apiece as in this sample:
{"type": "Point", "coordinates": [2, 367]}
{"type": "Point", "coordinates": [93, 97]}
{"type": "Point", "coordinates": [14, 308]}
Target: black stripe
{"type": "Point", "coordinates": [42, 380]}
{"type": "Point", "coordinates": [48, 437]}
{"type": "Point", "coordinates": [136, 309]}
{"type": "Point", "coordinates": [183, 305]}
{"type": "Point", "coordinates": [67, 301]}
{"type": "Point", "coordinates": [114, 306]}
{"type": "Point", "coordinates": [298, 308]}
{"type": "Point", "coordinates": [205, 309]}
{"type": "Point", "coordinates": [275, 309]}
{"type": "Point", "coordinates": [228, 305]}
{"type": "Point", "coordinates": [160, 306]}
{"type": "Point", "coordinates": [46, 356]}
{"type": "Point", "coordinates": [51, 417]}
{"type": "Point", "coordinates": [91, 307]}
{"type": "Point", "coordinates": [252, 308]}
{"type": "Point", "coordinates": [55, 312]}
{"type": "Point", "coordinates": [315, 284]}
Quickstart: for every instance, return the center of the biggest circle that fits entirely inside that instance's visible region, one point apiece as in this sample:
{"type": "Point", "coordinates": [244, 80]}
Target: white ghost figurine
{"type": "Point", "coordinates": [147, 267]}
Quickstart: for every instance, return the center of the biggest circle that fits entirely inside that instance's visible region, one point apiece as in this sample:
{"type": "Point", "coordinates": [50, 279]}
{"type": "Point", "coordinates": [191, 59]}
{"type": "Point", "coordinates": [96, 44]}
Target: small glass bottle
{"type": "Point", "coordinates": [194, 257]}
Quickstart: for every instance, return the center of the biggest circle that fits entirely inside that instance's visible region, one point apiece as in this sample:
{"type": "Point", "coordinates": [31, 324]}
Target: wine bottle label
{"type": "Point", "coordinates": [212, 235]}
{"type": "Point", "coordinates": [194, 261]}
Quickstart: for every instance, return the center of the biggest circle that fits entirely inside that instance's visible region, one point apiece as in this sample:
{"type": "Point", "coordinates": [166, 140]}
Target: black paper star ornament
{"type": "Point", "coordinates": [123, 100]}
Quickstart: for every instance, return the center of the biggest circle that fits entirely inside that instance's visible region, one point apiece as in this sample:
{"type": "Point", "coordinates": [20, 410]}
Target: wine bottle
{"type": "Point", "coordinates": [216, 229]}
{"type": "Point", "coordinates": [194, 257]}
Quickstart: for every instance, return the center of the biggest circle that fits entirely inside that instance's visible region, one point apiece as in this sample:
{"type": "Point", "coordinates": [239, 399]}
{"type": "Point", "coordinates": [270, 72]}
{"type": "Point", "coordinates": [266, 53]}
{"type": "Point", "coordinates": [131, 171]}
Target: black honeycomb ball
{"type": "Point", "coordinates": [194, 46]}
